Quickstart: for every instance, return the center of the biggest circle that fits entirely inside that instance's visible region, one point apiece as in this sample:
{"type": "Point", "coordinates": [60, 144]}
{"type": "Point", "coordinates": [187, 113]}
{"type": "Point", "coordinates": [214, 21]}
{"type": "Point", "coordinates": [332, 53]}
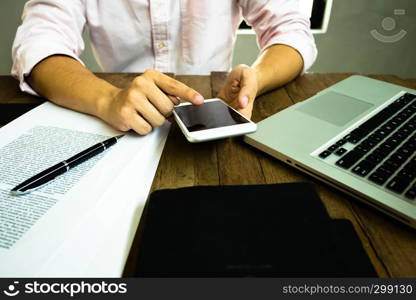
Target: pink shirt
{"type": "Point", "coordinates": [179, 36]}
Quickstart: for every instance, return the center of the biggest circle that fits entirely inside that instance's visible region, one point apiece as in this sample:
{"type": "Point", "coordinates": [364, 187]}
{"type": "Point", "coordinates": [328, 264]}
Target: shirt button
{"type": "Point", "coordinates": [161, 45]}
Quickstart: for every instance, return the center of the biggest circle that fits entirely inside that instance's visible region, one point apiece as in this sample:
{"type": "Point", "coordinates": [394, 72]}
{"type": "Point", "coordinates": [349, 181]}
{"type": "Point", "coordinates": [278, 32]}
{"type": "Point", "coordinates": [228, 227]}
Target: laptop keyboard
{"type": "Point", "coordinates": [384, 148]}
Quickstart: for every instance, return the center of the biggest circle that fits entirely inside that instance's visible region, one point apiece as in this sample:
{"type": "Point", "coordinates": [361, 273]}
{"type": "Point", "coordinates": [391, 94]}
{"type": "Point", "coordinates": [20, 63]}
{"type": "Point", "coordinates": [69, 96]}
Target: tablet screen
{"type": "Point", "coordinates": [208, 115]}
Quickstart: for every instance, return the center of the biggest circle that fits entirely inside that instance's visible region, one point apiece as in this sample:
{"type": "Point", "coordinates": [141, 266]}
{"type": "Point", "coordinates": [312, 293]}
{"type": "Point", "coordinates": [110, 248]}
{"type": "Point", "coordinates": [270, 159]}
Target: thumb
{"type": "Point", "coordinates": [248, 89]}
{"type": "Point", "coordinates": [246, 95]}
{"type": "Point", "coordinates": [243, 100]}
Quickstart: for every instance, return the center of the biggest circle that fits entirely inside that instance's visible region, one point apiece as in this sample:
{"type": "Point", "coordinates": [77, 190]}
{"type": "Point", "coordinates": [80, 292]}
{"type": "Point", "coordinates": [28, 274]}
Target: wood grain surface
{"type": "Point", "coordinates": [390, 245]}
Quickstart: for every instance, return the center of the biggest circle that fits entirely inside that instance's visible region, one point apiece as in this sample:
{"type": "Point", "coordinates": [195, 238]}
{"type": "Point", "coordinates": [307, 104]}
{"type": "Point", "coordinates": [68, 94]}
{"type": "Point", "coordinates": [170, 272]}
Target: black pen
{"type": "Point", "coordinates": [49, 174]}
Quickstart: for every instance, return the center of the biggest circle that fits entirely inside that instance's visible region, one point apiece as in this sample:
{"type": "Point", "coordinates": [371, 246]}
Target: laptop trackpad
{"type": "Point", "coordinates": [334, 108]}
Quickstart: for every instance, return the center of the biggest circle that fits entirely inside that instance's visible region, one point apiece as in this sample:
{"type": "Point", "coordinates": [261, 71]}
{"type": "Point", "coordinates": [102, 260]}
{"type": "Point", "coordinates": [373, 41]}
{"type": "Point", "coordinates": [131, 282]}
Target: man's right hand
{"type": "Point", "coordinates": [146, 102]}
{"type": "Point", "coordinates": [143, 105]}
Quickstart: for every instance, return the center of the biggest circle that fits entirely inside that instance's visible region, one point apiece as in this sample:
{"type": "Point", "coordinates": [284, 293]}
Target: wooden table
{"type": "Point", "coordinates": [390, 245]}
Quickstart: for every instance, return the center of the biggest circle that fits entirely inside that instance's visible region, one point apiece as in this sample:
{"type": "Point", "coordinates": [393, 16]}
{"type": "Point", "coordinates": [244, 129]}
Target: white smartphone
{"type": "Point", "coordinates": [212, 120]}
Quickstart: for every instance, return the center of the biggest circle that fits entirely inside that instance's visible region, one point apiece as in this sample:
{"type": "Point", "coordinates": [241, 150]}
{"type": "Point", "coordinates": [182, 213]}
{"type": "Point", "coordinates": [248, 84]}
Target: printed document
{"type": "Point", "coordinates": [83, 222]}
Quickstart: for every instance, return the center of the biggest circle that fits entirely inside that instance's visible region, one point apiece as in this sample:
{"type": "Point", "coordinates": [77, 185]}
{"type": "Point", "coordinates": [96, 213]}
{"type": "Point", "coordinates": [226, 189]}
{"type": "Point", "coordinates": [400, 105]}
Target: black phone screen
{"type": "Point", "coordinates": [208, 115]}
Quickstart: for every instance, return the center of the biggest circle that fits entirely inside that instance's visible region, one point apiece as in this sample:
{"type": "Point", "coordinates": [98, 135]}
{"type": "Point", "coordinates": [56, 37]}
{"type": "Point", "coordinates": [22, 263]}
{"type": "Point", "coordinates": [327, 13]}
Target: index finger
{"type": "Point", "coordinates": [173, 87]}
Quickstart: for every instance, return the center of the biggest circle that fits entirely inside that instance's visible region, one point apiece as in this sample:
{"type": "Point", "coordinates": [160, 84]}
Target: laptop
{"type": "Point", "coordinates": [358, 136]}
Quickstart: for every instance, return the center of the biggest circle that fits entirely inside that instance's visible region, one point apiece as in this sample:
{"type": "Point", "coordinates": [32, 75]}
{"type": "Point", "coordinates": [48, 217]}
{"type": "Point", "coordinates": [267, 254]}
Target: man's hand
{"type": "Point", "coordinates": [146, 102]}
{"type": "Point", "coordinates": [143, 105]}
{"type": "Point", "coordinates": [240, 89]}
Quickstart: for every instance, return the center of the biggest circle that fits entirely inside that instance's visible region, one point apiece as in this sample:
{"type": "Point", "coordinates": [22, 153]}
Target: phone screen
{"type": "Point", "coordinates": [208, 115]}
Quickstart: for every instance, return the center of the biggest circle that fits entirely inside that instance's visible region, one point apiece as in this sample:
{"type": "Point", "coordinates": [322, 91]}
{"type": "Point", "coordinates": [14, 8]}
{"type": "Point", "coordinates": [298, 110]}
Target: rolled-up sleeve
{"type": "Point", "coordinates": [281, 22]}
{"type": "Point", "coordinates": [49, 27]}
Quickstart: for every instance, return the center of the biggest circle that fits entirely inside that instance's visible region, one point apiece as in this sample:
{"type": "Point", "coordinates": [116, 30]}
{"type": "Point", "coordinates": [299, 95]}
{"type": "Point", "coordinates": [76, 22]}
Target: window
{"type": "Point", "coordinates": [320, 13]}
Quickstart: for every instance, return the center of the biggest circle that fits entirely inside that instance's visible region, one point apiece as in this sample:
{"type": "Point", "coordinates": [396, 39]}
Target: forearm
{"type": "Point", "coordinates": [64, 81]}
{"type": "Point", "coordinates": [276, 66]}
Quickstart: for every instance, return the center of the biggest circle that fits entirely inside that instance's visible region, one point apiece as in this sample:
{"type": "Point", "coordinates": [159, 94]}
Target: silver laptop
{"type": "Point", "coordinates": [358, 136]}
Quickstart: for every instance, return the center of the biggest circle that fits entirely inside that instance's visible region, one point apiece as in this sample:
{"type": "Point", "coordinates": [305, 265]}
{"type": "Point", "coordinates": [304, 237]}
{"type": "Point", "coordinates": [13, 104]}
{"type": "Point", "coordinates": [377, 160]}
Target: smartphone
{"type": "Point", "coordinates": [212, 120]}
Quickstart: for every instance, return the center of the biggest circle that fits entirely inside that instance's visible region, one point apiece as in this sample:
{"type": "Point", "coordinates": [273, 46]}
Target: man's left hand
{"type": "Point", "coordinates": [240, 89]}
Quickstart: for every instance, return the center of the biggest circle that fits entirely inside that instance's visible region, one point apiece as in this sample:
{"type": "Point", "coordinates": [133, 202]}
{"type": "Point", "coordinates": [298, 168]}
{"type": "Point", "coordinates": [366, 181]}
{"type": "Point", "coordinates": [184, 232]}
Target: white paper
{"type": "Point", "coordinates": [89, 215]}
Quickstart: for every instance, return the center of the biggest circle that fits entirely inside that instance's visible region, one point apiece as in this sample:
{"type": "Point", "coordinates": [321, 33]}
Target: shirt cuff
{"type": "Point", "coordinates": [305, 45]}
{"type": "Point", "coordinates": [28, 57]}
